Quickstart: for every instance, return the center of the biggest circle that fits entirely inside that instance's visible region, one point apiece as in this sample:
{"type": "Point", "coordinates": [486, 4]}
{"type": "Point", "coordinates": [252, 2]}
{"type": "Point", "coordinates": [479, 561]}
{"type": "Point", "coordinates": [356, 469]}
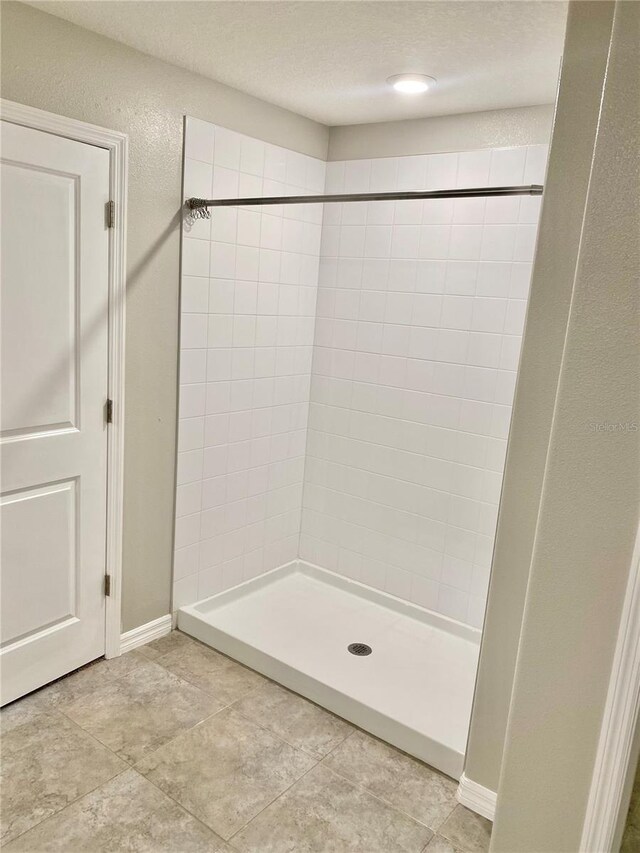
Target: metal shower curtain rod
{"type": "Point", "coordinates": [202, 204]}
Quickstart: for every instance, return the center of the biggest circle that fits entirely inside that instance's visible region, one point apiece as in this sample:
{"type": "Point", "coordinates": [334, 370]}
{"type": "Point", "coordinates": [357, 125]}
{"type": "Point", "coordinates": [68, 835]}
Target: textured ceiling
{"type": "Point", "coordinates": [329, 60]}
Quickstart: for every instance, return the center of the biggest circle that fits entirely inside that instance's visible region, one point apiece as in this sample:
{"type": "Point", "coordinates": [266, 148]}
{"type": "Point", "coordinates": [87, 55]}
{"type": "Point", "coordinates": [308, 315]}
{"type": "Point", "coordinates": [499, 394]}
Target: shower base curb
{"type": "Point", "coordinates": [198, 620]}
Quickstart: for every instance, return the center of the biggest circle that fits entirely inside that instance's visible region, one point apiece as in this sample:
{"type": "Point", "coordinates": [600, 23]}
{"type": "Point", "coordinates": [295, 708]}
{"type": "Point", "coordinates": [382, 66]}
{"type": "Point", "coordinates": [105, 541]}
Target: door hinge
{"type": "Point", "coordinates": [107, 584]}
{"type": "Point", "coordinates": [108, 411]}
{"type": "Point", "coordinates": [111, 214]}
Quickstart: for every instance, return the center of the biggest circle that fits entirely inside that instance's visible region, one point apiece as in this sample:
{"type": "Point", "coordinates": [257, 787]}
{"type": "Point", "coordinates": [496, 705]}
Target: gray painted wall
{"type": "Point", "coordinates": [73, 72]}
{"type": "Point", "coordinates": [465, 132]}
{"type": "Point", "coordinates": [584, 63]}
{"type": "Point", "coordinates": [53, 65]}
{"type": "Point", "coordinates": [590, 503]}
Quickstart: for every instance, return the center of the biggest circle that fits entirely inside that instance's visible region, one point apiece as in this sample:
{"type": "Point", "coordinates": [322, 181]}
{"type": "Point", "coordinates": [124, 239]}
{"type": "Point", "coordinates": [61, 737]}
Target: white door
{"type": "Point", "coordinates": [53, 387]}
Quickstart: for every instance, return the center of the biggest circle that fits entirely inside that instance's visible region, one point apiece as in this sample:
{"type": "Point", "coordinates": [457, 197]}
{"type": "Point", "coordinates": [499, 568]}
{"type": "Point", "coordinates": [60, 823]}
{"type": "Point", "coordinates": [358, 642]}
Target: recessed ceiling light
{"type": "Point", "coordinates": [411, 84]}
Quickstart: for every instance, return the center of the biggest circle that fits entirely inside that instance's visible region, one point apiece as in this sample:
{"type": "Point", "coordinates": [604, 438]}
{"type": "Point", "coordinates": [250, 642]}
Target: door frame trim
{"type": "Point", "coordinates": [117, 144]}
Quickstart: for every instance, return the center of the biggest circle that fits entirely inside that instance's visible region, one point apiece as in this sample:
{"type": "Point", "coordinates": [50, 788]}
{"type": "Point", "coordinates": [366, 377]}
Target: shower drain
{"type": "Point", "coordinates": [359, 649]}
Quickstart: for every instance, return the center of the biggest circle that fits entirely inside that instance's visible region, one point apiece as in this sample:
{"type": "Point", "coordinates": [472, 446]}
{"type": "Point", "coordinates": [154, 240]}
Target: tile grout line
{"type": "Point", "coordinates": [68, 805]}
{"type": "Point", "coordinates": [353, 785]}
{"type": "Point", "coordinates": [114, 680]}
{"type": "Point", "coordinates": [227, 840]}
{"type": "Point", "coordinates": [225, 708]}
{"type": "Point", "coordinates": [383, 800]}
{"type": "Point", "coordinates": [307, 752]}
{"type": "Point", "coordinates": [388, 802]}
{"type": "Point", "coordinates": [179, 804]}
{"type": "Point", "coordinates": [206, 692]}
{"type": "Point", "coordinates": [130, 768]}
{"type": "Point", "coordinates": [338, 775]}
{"type": "Point", "coordinates": [271, 802]}
{"type": "Point", "coordinates": [57, 711]}
{"type": "Point", "coordinates": [231, 705]}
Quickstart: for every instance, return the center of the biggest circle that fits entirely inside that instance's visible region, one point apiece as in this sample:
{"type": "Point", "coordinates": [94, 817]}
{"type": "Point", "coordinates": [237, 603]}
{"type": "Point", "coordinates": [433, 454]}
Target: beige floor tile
{"type": "Point", "coordinates": [141, 711]}
{"type": "Point", "coordinates": [211, 671]}
{"type": "Point", "coordinates": [127, 813]}
{"type": "Point", "coordinates": [65, 690]}
{"type": "Point", "coordinates": [157, 648]}
{"type": "Point", "coordinates": [294, 719]}
{"type": "Point", "coordinates": [46, 764]}
{"type": "Point", "coordinates": [323, 812]}
{"type": "Point", "coordinates": [225, 770]}
{"type": "Point", "coordinates": [94, 675]}
{"type": "Point", "coordinates": [467, 830]}
{"type": "Point", "coordinates": [439, 844]}
{"type": "Point", "coordinates": [407, 784]}
{"type": "Point", "coordinates": [24, 711]}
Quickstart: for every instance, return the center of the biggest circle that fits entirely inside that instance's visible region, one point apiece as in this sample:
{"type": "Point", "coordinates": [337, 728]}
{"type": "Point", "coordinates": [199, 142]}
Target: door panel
{"type": "Point", "coordinates": [42, 393]}
{"type": "Point", "coordinates": [33, 598]}
{"type": "Point", "coordinates": [53, 386]}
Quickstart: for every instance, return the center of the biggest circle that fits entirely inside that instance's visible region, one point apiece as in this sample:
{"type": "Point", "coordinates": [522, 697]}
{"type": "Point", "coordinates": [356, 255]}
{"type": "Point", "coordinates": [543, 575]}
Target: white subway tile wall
{"type": "Point", "coordinates": [249, 284]}
{"type": "Point", "coordinates": [371, 353]}
{"type": "Point", "coordinates": [420, 312]}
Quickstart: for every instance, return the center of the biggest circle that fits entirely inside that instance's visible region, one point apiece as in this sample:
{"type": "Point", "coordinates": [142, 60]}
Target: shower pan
{"type": "Point", "coordinates": [350, 336]}
{"type": "Point", "coordinates": [297, 625]}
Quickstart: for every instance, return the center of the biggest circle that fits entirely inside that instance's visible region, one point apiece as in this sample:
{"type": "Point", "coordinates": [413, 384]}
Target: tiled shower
{"type": "Point", "coordinates": [419, 320]}
{"type": "Point", "coordinates": [346, 375]}
{"type": "Point", "coordinates": [347, 372]}
{"type": "Point", "coordinates": [249, 290]}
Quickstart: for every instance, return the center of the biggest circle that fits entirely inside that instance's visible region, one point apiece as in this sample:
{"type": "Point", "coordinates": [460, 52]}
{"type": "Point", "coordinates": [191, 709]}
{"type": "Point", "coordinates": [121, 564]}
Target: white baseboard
{"type": "Point", "coordinates": [477, 798]}
{"type": "Point", "coordinates": [145, 633]}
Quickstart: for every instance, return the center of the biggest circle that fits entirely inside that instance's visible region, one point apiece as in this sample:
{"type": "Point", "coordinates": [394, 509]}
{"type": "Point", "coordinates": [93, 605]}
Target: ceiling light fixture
{"type": "Point", "coordinates": [411, 84]}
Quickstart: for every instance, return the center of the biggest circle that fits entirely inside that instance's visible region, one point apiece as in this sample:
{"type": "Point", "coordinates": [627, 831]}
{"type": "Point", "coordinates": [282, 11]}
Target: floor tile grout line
{"type": "Point", "coordinates": [259, 687]}
{"type": "Point", "coordinates": [86, 693]}
{"type": "Point", "coordinates": [132, 764]}
{"type": "Point", "coordinates": [62, 711]}
{"type": "Point", "coordinates": [64, 808]}
{"type": "Point", "coordinates": [55, 709]}
{"type": "Point", "coordinates": [214, 696]}
{"type": "Point", "coordinates": [425, 849]}
{"type": "Point", "coordinates": [353, 785]}
{"type": "Point", "coordinates": [128, 769]}
{"type": "Point", "coordinates": [274, 800]}
{"type": "Point", "coordinates": [388, 802]}
{"type": "Point", "coordinates": [379, 798]}
{"type": "Point", "coordinates": [76, 799]}
{"type": "Point", "coordinates": [227, 840]}
{"type": "Point", "coordinates": [226, 658]}
{"type": "Point", "coordinates": [235, 702]}
{"type": "Point", "coordinates": [333, 748]}
{"type": "Point", "coordinates": [126, 761]}
{"type": "Point", "coordinates": [181, 805]}
{"type": "Point", "coordinates": [58, 707]}
{"type": "Point", "coordinates": [232, 705]}
{"type": "Point", "coordinates": [211, 694]}
{"type": "Point", "coordinates": [195, 726]}
{"type": "Point", "coordinates": [318, 758]}
{"type": "Point", "coordinates": [442, 823]}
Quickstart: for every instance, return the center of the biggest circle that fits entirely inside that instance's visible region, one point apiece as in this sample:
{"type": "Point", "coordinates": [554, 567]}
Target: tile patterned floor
{"type": "Point", "coordinates": [174, 748]}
